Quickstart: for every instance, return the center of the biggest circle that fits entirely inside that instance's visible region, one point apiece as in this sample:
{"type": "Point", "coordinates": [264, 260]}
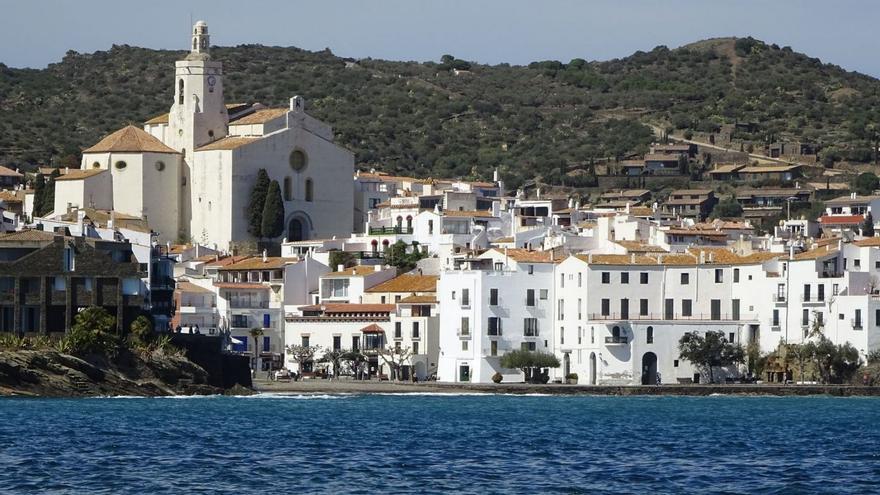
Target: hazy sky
{"type": "Point", "coordinates": [34, 33]}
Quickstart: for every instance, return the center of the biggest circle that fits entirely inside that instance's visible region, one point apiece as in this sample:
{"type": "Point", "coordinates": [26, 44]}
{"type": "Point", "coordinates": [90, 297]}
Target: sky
{"type": "Point", "coordinates": [34, 33]}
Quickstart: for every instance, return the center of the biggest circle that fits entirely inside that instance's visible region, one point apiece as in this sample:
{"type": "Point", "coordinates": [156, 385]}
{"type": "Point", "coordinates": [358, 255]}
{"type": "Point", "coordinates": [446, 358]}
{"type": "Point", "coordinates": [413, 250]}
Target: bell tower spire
{"type": "Point", "coordinates": [201, 40]}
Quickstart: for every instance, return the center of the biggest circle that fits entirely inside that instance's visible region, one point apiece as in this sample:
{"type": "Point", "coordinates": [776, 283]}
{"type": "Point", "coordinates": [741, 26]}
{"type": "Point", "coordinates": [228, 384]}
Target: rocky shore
{"type": "Point", "coordinates": [48, 373]}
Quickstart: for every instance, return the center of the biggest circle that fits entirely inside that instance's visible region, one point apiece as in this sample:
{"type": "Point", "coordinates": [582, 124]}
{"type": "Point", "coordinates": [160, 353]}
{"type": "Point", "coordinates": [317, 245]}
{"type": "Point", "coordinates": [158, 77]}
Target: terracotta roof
{"type": "Point", "coordinates": [10, 196]}
{"type": "Point", "coordinates": [525, 256]}
{"type": "Point", "coordinates": [690, 192]}
{"type": "Point", "coordinates": [629, 193]}
{"type": "Point", "coordinates": [661, 157]}
{"type": "Point", "coordinates": [419, 300]}
{"type": "Point", "coordinates": [355, 271]}
{"type": "Point", "coordinates": [685, 201]}
{"type": "Point", "coordinates": [841, 219]}
{"type": "Point", "coordinates": [79, 174]}
{"type": "Point", "coordinates": [260, 116]}
{"type": "Point", "coordinates": [191, 287]}
{"type": "Point", "coordinates": [641, 211]}
{"type": "Point", "coordinates": [27, 235]}
{"type": "Point", "coordinates": [814, 254]}
{"type": "Point", "coordinates": [868, 242]}
{"type": "Point", "coordinates": [8, 172]}
{"type": "Point", "coordinates": [467, 213]}
{"type": "Point", "coordinates": [408, 283]}
{"type": "Point", "coordinates": [158, 119]}
{"type": "Point", "coordinates": [768, 169]}
{"type": "Point", "coordinates": [726, 169]}
{"type": "Point", "coordinates": [228, 143]}
{"type": "Point", "coordinates": [846, 200]}
{"type": "Point", "coordinates": [226, 260]}
{"type": "Point", "coordinates": [130, 139]}
{"type": "Point", "coordinates": [502, 240]}
{"type": "Point", "coordinates": [719, 256]}
{"type": "Point", "coordinates": [240, 285]}
{"type": "Point", "coordinates": [638, 247]}
{"type": "Point", "coordinates": [372, 328]}
{"type": "Point", "coordinates": [703, 232]}
{"type": "Point", "coordinates": [350, 308]}
{"type": "Point", "coordinates": [257, 263]}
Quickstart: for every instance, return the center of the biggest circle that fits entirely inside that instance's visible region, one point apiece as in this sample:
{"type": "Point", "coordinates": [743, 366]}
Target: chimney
{"type": "Point", "coordinates": [378, 268]}
{"type": "Point", "coordinates": [495, 175]}
{"type": "Point", "coordinates": [659, 259]}
{"type": "Point", "coordinates": [538, 192]}
{"type": "Point", "coordinates": [264, 256]}
{"type": "Point", "coordinates": [632, 258]}
{"type": "Point", "coordinates": [702, 257]}
{"type": "Point", "coordinates": [711, 257]}
{"type": "Point", "coordinates": [590, 258]}
{"type": "Point", "coordinates": [197, 250]}
{"type": "Point", "coordinates": [339, 268]}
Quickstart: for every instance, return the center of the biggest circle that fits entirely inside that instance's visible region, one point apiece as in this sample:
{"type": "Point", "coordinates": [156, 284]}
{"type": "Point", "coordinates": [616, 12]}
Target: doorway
{"type": "Point", "coordinates": [649, 369]}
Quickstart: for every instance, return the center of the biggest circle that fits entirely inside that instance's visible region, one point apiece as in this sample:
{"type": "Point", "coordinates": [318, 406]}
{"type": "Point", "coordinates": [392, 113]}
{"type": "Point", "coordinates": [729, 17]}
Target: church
{"type": "Point", "coordinates": [189, 173]}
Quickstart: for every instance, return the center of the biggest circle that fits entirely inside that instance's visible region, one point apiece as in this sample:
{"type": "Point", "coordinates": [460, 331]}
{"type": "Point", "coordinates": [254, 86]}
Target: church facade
{"type": "Point", "coordinates": [190, 172]}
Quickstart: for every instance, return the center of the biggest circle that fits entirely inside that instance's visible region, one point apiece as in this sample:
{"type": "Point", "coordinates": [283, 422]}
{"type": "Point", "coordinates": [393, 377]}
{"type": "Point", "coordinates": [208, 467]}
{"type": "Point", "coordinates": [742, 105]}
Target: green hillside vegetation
{"type": "Point", "coordinates": [548, 118]}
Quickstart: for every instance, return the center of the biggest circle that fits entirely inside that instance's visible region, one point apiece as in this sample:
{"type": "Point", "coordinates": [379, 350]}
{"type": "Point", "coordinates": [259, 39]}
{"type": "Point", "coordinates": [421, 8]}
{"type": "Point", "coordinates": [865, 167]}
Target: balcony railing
{"type": "Point", "coordinates": [390, 230]}
{"type": "Point", "coordinates": [856, 324]}
{"type": "Point", "coordinates": [779, 298]}
{"type": "Point", "coordinates": [494, 332]}
{"type": "Point", "coordinates": [530, 332]}
{"type": "Point", "coordinates": [464, 333]}
{"type": "Point", "coordinates": [674, 317]}
{"type": "Point", "coordinates": [812, 298]}
{"type": "Point", "coordinates": [249, 305]}
{"type": "Point", "coordinates": [617, 340]}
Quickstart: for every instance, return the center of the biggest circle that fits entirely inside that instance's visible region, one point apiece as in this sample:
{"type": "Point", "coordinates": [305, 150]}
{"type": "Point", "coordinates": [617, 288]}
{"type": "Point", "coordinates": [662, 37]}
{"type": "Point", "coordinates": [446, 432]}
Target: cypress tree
{"type": "Point", "coordinates": [39, 190]}
{"type": "Point", "coordinates": [273, 212]}
{"type": "Point", "coordinates": [868, 226]}
{"type": "Point", "coordinates": [49, 193]}
{"type": "Point", "coordinates": [257, 203]}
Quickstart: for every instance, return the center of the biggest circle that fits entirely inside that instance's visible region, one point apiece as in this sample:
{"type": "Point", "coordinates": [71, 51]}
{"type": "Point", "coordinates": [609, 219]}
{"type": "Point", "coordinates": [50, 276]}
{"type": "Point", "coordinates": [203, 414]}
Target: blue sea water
{"type": "Point", "coordinates": [440, 443]}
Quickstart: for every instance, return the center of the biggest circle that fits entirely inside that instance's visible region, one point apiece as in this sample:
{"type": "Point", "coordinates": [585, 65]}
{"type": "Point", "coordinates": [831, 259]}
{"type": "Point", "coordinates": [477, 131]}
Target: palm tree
{"type": "Point", "coordinates": [256, 333]}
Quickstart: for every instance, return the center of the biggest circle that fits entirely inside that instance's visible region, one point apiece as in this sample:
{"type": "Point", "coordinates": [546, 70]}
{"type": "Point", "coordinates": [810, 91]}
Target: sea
{"type": "Point", "coordinates": [440, 443]}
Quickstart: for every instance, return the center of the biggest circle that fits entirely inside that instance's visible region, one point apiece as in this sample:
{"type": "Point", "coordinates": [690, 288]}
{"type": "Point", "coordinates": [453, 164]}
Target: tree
{"type": "Point", "coordinates": [39, 191]}
{"type": "Point", "coordinates": [141, 331]}
{"type": "Point", "coordinates": [335, 357]}
{"type": "Point", "coordinates": [868, 226]}
{"type": "Point", "coordinates": [256, 333]}
{"type": "Point", "coordinates": [273, 212]}
{"type": "Point", "coordinates": [727, 208]}
{"type": "Point", "coordinates": [866, 183]}
{"type": "Point", "coordinates": [338, 257]}
{"type": "Point", "coordinates": [709, 351]}
{"type": "Point", "coordinates": [49, 194]}
{"type": "Point", "coordinates": [356, 361]}
{"type": "Point", "coordinates": [395, 357]}
{"type": "Point", "coordinates": [257, 202]}
{"type": "Point", "coordinates": [528, 362]}
{"type": "Point", "coordinates": [93, 332]}
{"type": "Point", "coordinates": [396, 255]}
{"type": "Point", "coordinates": [835, 363]}
{"type": "Point", "coordinates": [302, 354]}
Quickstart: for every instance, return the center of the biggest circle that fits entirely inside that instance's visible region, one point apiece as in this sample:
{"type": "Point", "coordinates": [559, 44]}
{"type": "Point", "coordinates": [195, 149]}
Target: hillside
{"type": "Point", "coordinates": [423, 119]}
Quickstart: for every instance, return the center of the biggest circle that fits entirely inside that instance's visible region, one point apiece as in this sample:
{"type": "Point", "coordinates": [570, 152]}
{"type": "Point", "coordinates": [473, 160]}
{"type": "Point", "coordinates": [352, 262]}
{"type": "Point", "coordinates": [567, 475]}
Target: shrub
{"type": "Point", "coordinates": [497, 377]}
{"type": "Point", "coordinates": [571, 376]}
{"type": "Point", "coordinates": [141, 332]}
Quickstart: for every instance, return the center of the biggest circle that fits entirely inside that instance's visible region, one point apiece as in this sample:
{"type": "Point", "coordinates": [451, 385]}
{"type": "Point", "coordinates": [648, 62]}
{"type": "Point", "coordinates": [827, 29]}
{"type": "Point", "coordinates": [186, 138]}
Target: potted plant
{"type": "Point", "coordinates": [497, 377]}
{"type": "Point", "coordinates": [571, 378]}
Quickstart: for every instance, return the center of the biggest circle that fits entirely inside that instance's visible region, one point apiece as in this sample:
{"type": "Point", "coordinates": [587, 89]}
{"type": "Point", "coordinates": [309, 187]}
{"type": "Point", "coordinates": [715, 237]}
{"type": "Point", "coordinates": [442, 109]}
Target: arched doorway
{"type": "Point", "coordinates": [295, 230]}
{"type": "Point", "coordinates": [649, 369]}
{"type": "Point", "coordinates": [592, 368]}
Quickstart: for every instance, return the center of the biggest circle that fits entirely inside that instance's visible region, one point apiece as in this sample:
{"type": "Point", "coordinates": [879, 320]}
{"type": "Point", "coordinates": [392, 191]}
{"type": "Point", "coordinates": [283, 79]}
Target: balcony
{"type": "Point", "coordinates": [856, 324]}
{"type": "Point", "coordinates": [779, 298]}
{"type": "Point", "coordinates": [159, 283]}
{"type": "Point", "coordinates": [620, 340]}
{"type": "Point", "coordinates": [812, 299]}
{"type": "Point", "coordinates": [186, 309]}
{"type": "Point", "coordinates": [249, 305]}
{"type": "Point", "coordinates": [494, 332]}
{"type": "Point", "coordinates": [390, 230]}
{"type": "Point", "coordinates": [530, 332]}
{"type": "Point", "coordinates": [731, 317]}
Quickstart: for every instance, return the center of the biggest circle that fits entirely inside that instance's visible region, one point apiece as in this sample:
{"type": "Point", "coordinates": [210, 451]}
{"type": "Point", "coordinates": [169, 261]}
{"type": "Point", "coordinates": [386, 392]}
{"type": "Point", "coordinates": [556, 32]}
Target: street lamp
{"type": "Point", "coordinates": [788, 201]}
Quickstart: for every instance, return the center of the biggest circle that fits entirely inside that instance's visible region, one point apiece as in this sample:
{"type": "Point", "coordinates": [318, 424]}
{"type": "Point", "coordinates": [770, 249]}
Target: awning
{"type": "Point", "coordinates": [235, 341]}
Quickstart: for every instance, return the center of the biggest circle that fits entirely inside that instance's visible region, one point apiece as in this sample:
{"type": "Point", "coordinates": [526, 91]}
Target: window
{"type": "Point", "coordinates": [531, 269]}
{"type": "Point", "coordinates": [337, 342]}
{"type": "Point", "coordinates": [675, 363]}
{"type": "Point", "coordinates": [415, 347]}
{"type": "Point", "coordinates": [606, 307]}
{"type": "Point", "coordinates": [736, 275]}
{"type": "Point", "coordinates": [857, 320]}
{"type": "Point", "coordinates": [530, 297]}
{"type": "Point", "coordinates": [298, 160]}
{"type": "Point", "coordinates": [493, 348]}
{"type": "Point", "coordinates": [877, 317]}
{"type": "Point", "coordinates": [592, 335]}
{"type": "Point", "coordinates": [528, 346]}
{"type": "Point", "coordinates": [160, 166]}
{"type": "Point", "coordinates": [606, 277]}
{"type": "Point", "coordinates": [494, 326]}
{"type": "Point", "coordinates": [309, 190]}
{"type": "Point", "coordinates": [580, 335]}
{"type": "Point", "coordinates": [98, 165]}
{"type": "Point", "coordinates": [643, 278]}
{"type": "Point", "coordinates": [649, 335]}
{"type": "Point", "coordinates": [543, 294]}
{"type": "Point", "coordinates": [562, 280]}
{"type": "Point", "coordinates": [686, 307]}
{"type": "Point", "coordinates": [288, 189]}
{"type": "Point", "coordinates": [624, 308]}
{"type": "Point", "coordinates": [685, 278]}
{"type": "Point", "coordinates": [560, 311]}
{"type": "Point", "coordinates": [643, 307]}
{"type": "Point", "coordinates": [562, 335]}
{"type": "Point", "coordinates": [580, 308]}
{"type": "Point", "coordinates": [464, 345]}
{"type": "Point", "coordinates": [530, 327]}
{"type": "Point", "coordinates": [430, 227]}
{"type": "Point", "coordinates": [465, 326]}
{"type": "Point", "coordinates": [624, 277]}
{"type": "Point", "coordinates": [398, 334]}
{"type": "Point", "coordinates": [120, 165]}
{"type": "Point", "coordinates": [465, 298]}
{"type": "Point", "coordinates": [580, 279]}
{"type": "Point", "coordinates": [719, 275]}
{"type": "Point", "coordinates": [493, 297]}
{"type": "Point", "coordinates": [857, 263]}
{"type": "Point", "coordinates": [775, 321]}
{"type": "Point", "coordinates": [180, 92]}
{"type": "Point", "coordinates": [453, 295]}
{"type": "Point", "coordinates": [415, 331]}
{"type": "Point", "coordinates": [305, 341]}
{"type": "Point", "coordinates": [355, 343]}
{"type": "Point", "coordinates": [805, 317]}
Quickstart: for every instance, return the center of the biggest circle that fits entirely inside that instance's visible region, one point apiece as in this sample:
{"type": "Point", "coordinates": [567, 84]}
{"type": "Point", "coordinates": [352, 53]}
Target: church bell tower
{"type": "Point", "coordinates": [198, 115]}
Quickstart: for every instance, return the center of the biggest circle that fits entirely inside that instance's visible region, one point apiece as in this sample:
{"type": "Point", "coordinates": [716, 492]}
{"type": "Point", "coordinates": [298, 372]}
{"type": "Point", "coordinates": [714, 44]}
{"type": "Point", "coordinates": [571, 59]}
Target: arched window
{"type": "Point", "coordinates": [160, 165]}
{"type": "Point", "coordinates": [650, 335]}
{"type": "Point", "coordinates": [409, 222]}
{"type": "Point", "coordinates": [615, 332]}
{"type": "Point", "coordinates": [180, 92]}
{"type": "Point", "coordinates": [399, 222]}
{"type": "Point", "coordinates": [309, 191]}
{"type": "Point", "coordinates": [298, 160]}
{"type": "Point", "coordinates": [96, 165]}
{"type": "Point", "coordinates": [195, 43]}
{"type": "Point", "coordinates": [288, 189]}
{"type": "Point", "coordinates": [430, 227]}
{"type": "Point", "coordinates": [375, 245]}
